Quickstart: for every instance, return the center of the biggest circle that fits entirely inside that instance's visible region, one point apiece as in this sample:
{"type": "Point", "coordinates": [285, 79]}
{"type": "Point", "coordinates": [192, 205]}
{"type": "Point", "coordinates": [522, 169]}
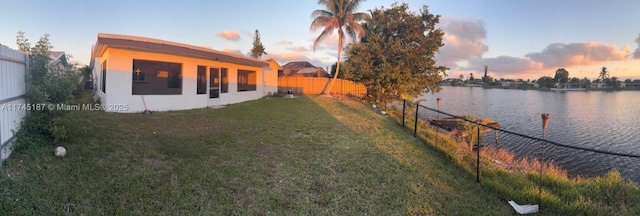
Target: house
{"type": "Point", "coordinates": [634, 84]}
{"type": "Point", "coordinates": [598, 85]}
{"type": "Point", "coordinates": [133, 74]}
{"type": "Point", "coordinates": [272, 81]}
{"type": "Point", "coordinates": [303, 69]}
{"type": "Point", "coordinates": [58, 57]}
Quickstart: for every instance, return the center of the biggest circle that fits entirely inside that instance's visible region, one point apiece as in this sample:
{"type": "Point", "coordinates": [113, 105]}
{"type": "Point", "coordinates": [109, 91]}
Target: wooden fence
{"type": "Point", "coordinates": [13, 68]}
{"type": "Point", "coordinates": [316, 85]}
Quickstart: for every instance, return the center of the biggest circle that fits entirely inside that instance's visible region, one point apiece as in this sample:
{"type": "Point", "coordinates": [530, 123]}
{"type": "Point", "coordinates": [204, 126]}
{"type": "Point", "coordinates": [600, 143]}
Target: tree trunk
{"type": "Point", "coordinates": [327, 91]}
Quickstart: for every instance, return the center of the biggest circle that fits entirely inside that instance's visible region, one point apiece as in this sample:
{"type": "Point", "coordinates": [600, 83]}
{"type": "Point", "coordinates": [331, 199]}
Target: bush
{"type": "Point", "coordinates": [48, 83]}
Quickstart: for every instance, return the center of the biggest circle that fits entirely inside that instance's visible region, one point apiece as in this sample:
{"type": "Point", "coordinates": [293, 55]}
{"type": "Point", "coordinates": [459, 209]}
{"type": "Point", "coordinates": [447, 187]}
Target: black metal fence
{"type": "Point", "coordinates": [433, 124]}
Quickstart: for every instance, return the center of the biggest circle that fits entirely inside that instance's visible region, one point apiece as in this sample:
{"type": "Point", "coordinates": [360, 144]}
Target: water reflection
{"type": "Point", "coordinates": [594, 119]}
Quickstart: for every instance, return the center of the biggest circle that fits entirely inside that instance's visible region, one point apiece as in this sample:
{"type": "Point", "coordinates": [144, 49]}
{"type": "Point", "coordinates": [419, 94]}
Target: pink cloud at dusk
{"type": "Point", "coordinates": [331, 42]}
{"type": "Point", "coordinates": [285, 42]}
{"type": "Point", "coordinates": [464, 49]}
{"type": "Point", "coordinates": [298, 49]}
{"type": "Point", "coordinates": [229, 35]}
{"type": "Point", "coordinates": [287, 56]}
{"type": "Point", "coordinates": [589, 53]}
{"type": "Point", "coordinates": [463, 39]}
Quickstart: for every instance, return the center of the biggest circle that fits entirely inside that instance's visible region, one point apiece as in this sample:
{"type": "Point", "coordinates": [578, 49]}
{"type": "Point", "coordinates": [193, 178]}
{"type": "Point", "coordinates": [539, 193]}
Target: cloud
{"type": "Point", "coordinates": [589, 53]}
{"type": "Point", "coordinates": [288, 56]}
{"type": "Point", "coordinates": [234, 51]}
{"type": "Point", "coordinates": [330, 42]}
{"type": "Point", "coordinates": [229, 35]}
{"type": "Point", "coordinates": [285, 42]}
{"type": "Point", "coordinates": [298, 49]}
{"type": "Point", "coordinates": [463, 39]}
{"type": "Point", "coordinates": [636, 53]}
{"type": "Point", "coordinates": [464, 49]}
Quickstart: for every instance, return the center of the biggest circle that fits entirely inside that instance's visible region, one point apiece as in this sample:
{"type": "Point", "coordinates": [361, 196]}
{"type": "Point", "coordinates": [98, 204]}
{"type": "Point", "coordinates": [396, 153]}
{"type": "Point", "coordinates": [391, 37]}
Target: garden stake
{"type": "Point", "coordinates": [545, 122]}
{"type": "Point", "coordinates": [404, 105]}
{"type": "Point", "coordinates": [415, 125]}
{"type": "Point", "coordinates": [437, 117]}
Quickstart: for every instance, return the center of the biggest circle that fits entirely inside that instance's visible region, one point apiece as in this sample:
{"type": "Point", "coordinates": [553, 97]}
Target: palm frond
{"type": "Point", "coordinates": [323, 22]}
{"type": "Point", "coordinates": [325, 33]}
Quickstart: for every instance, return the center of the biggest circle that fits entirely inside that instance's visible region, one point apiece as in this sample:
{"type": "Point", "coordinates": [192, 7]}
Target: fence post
{"type": "Point", "coordinates": [404, 105]}
{"type": "Point", "coordinates": [478, 155]}
{"type": "Point", "coordinates": [415, 124]}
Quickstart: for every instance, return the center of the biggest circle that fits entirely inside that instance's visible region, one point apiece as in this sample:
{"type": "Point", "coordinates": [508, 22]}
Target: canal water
{"type": "Point", "coordinates": [600, 120]}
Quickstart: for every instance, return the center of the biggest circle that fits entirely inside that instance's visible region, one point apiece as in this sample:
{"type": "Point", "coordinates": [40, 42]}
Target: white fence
{"type": "Point", "coordinates": [13, 67]}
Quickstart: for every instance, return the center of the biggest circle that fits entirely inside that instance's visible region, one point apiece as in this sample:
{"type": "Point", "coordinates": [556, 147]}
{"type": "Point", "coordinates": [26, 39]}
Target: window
{"type": "Point", "coordinates": [202, 80]}
{"type": "Point", "coordinates": [156, 78]}
{"type": "Point", "coordinates": [214, 84]}
{"type": "Point", "coordinates": [224, 86]}
{"type": "Point", "coordinates": [103, 87]}
{"type": "Point", "coordinates": [246, 80]}
{"type": "Point", "coordinates": [138, 75]}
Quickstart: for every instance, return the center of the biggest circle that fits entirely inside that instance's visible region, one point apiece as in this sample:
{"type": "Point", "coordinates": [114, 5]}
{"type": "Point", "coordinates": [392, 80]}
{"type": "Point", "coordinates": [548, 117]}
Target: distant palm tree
{"type": "Point", "coordinates": [339, 15]}
{"type": "Point", "coordinates": [603, 73]}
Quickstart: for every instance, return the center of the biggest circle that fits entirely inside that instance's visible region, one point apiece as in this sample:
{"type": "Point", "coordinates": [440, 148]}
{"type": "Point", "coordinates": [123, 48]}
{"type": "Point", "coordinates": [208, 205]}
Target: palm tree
{"type": "Point", "coordinates": [603, 73]}
{"type": "Point", "coordinates": [338, 15]}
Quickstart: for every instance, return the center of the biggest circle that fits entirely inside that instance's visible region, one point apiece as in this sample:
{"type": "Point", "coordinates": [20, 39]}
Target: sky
{"type": "Point", "coordinates": [516, 39]}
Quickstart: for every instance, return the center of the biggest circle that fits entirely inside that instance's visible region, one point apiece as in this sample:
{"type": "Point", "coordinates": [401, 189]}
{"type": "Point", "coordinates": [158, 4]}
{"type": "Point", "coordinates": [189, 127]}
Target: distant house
{"type": "Point", "coordinates": [303, 69]}
{"type": "Point", "coordinates": [598, 85]}
{"type": "Point", "coordinates": [574, 85]}
{"type": "Point", "coordinates": [132, 74]}
{"type": "Point", "coordinates": [58, 57]}
{"type": "Point", "coordinates": [634, 84]}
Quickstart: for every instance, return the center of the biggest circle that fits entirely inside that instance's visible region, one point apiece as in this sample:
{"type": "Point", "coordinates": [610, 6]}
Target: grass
{"type": "Point", "coordinates": [277, 156]}
{"type": "Point", "coordinates": [317, 156]}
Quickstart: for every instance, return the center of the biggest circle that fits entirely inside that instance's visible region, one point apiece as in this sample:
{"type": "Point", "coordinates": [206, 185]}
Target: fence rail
{"type": "Point", "coordinates": [13, 68]}
{"type": "Point", "coordinates": [424, 113]}
{"type": "Point", "coordinates": [316, 85]}
{"type": "Point", "coordinates": [418, 119]}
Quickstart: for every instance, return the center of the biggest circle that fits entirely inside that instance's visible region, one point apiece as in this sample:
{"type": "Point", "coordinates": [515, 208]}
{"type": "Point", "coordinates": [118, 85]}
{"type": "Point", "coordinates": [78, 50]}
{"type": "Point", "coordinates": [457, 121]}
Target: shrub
{"type": "Point", "coordinates": [49, 83]}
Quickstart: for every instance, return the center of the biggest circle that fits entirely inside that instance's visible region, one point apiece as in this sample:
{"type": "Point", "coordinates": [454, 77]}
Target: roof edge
{"type": "Point", "coordinates": [175, 44]}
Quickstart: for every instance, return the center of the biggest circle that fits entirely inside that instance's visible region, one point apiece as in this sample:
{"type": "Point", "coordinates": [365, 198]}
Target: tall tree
{"type": "Point", "coordinates": [586, 82]}
{"type": "Point", "coordinates": [338, 15]}
{"type": "Point", "coordinates": [562, 76]}
{"type": "Point", "coordinates": [603, 73]}
{"type": "Point", "coordinates": [258, 48]}
{"type": "Point", "coordinates": [614, 82]}
{"type": "Point", "coordinates": [334, 66]}
{"type": "Point", "coordinates": [396, 58]}
{"type": "Point", "coordinates": [546, 82]}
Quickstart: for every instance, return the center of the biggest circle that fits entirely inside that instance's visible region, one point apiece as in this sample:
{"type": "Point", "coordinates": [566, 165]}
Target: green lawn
{"type": "Point", "coordinates": [274, 156]}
